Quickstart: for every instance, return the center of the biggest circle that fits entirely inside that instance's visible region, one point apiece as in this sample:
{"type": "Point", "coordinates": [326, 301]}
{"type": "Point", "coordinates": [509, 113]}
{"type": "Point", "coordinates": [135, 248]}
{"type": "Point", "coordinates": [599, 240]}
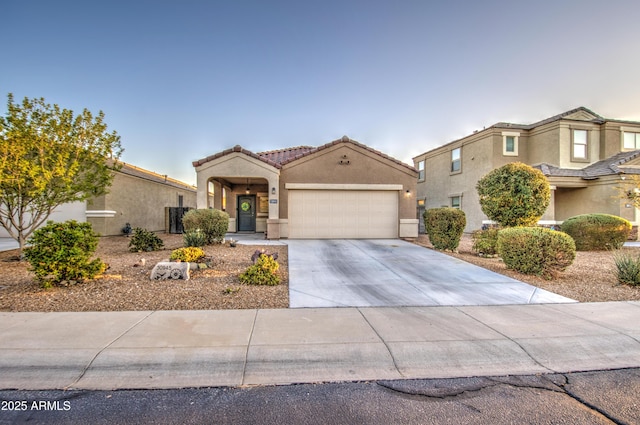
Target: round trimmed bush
{"type": "Point", "coordinates": [213, 223]}
{"type": "Point", "coordinates": [515, 194]}
{"type": "Point", "coordinates": [444, 227]}
{"type": "Point", "coordinates": [536, 250]}
{"type": "Point", "coordinates": [593, 232]}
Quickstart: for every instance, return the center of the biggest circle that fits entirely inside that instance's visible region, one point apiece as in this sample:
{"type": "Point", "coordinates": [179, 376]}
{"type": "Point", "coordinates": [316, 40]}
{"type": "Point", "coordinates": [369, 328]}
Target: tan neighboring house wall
{"type": "Point", "coordinates": [579, 184]}
{"type": "Point", "coordinates": [138, 197]}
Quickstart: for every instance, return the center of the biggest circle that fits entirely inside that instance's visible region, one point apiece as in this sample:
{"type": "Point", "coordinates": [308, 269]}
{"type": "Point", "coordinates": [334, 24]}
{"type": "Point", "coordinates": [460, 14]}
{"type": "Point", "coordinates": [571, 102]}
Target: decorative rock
{"type": "Point", "coordinates": [170, 270]}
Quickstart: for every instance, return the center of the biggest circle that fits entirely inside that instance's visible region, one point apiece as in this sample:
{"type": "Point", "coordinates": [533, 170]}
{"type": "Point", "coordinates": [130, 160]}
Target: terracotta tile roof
{"type": "Point", "coordinates": [284, 155]}
{"type": "Point", "coordinates": [345, 139]}
{"type": "Point", "coordinates": [280, 157]}
{"type": "Point", "coordinates": [605, 167]}
{"type": "Point", "coordinates": [236, 148]}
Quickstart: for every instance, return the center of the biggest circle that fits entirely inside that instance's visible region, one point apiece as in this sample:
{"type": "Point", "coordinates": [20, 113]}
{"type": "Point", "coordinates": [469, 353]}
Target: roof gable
{"type": "Point", "coordinates": [347, 140]}
{"type": "Point", "coordinates": [239, 149]}
{"type": "Point", "coordinates": [280, 157]}
{"type": "Point", "coordinates": [579, 114]}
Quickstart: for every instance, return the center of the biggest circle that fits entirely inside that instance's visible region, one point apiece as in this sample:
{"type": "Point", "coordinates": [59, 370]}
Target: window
{"type": "Point", "coordinates": [180, 201]}
{"type": "Point", "coordinates": [510, 143]}
{"type": "Point", "coordinates": [455, 160]}
{"type": "Point", "coordinates": [224, 199]}
{"type": "Point", "coordinates": [421, 171]}
{"type": "Point", "coordinates": [579, 145]}
{"type": "Point", "coordinates": [455, 202]}
{"type": "Point", "coordinates": [631, 140]}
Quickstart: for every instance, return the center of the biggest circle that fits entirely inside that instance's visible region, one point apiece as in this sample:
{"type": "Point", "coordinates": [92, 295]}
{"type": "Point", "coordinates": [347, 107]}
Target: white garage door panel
{"type": "Point", "coordinates": [333, 214]}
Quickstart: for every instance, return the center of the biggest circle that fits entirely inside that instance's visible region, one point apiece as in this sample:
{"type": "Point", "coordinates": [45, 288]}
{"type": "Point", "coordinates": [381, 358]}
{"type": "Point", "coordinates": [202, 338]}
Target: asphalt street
{"type": "Point", "coordinates": [601, 397]}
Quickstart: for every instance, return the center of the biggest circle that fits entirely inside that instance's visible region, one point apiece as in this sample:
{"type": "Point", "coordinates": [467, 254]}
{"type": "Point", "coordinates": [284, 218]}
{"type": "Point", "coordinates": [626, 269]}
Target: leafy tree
{"type": "Point", "coordinates": [50, 157]}
{"type": "Point", "coordinates": [514, 195]}
{"type": "Point", "coordinates": [629, 190]}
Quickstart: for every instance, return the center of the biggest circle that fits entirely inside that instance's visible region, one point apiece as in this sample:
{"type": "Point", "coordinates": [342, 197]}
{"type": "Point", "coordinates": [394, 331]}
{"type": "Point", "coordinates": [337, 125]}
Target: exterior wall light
{"type": "Point", "coordinates": [273, 190]}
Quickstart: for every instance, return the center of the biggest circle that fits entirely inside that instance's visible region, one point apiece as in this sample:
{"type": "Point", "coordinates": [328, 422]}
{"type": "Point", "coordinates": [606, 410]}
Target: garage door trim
{"type": "Point", "coordinates": [348, 186]}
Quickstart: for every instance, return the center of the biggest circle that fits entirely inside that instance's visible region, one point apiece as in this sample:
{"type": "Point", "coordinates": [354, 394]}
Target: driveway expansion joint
{"type": "Point", "coordinates": [507, 337]}
{"type": "Point", "coordinates": [393, 359]}
{"type": "Point", "coordinates": [88, 366]}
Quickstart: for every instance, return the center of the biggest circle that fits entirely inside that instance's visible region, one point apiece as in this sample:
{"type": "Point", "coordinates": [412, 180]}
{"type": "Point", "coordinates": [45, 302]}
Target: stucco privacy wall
{"type": "Point", "coordinates": [71, 211]}
{"type": "Point", "coordinates": [139, 201]}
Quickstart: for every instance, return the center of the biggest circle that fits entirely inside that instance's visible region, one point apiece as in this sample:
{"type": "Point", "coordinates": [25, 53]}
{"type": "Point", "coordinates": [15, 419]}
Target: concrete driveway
{"type": "Point", "coordinates": [377, 273]}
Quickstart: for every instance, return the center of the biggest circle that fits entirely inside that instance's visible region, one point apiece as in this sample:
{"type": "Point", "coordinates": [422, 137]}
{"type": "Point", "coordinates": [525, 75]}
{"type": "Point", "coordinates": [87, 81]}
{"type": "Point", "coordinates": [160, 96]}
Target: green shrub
{"type": "Point", "coordinates": [444, 227]}
{"type": "Point", "coordinates": [593, 232]}
{"type": "Point", "coordinates": [194, 238]}
{"type": "Point", "coordinates": [187, 255]}
{"type": "Point", "coordinates": [213, 223]}
{"type": "Point", "coordinates": [515, 194]}
{"type": "Point", "coordinates": [485, 241]}
{"type": "Point", "coordinates": [61, 252]}
{"type": "Point", "coordinates": [263, 272]}
{"type": "Point", "coordinates": [627, 269]}
{"type": "Point", "coordinates": [144, 240]}
{"type": "Point", "coordinates": [536, 250]}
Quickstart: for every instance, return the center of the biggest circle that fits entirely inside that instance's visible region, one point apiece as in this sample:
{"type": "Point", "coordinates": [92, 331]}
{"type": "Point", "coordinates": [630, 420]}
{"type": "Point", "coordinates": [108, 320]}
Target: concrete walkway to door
{"type": "Point", "coordinates": [388, 272]}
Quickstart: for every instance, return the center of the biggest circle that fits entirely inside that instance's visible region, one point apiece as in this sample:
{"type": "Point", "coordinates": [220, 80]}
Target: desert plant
{"type": "Point", "coordinates": [144, 240]}
{"type": "Point", "coordinates": [187, 254]}
{"type": "Point", "coordinates": [194, 238]}
{"type": "Point", "coordinates": [258, 252]}
{"type": "Point", "coordinates": [514, 195]}
{"type": "Point", "coordinates": [597, 231]}
{"type": "Point", "coordinates": [263, 272]}
{"type": "Point", "coordinates": [485, 241]}
{"type": "Point", "coordinates": [444, 227]}
{"type": "Point", "coordinates": [61, 252]}
{"type": "Point", "coordinates": [536, 250]}
{"type": "Point", "coordinates": [213, 223]}
{"type": "Point", "coordinates": [627, 269]}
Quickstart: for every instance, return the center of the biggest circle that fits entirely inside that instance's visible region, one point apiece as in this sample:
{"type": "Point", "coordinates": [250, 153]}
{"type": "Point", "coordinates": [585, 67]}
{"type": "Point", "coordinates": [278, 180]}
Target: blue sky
{"type": "Point", "coordinates": [183, 80]}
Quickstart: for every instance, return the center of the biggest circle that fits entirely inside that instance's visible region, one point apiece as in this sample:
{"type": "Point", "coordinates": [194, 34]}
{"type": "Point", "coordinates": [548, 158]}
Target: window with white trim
{"type": "Point", "coordinates": [510, 143]}
{"type": "Point", "coordinates": [630, 140]}
{"type": "Point", "coordinates": [456, 162]}
{"type": "Point", "coordinates": [579, 145]}
{"type": "Point", "coordinates": [421, 171]}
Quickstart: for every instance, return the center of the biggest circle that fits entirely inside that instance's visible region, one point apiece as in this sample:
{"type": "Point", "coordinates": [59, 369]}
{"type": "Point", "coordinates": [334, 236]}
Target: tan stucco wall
{"type": "Point", "coordinates": [543, 146]}
{"type": "Point", "coordinates": [599, 197]}
{"type": "Point", "coordinates": [137, 201]}
{"type": "Point", "coordinates": [365, 167]}
{"type": "Point", "coordinates": [478, 155]}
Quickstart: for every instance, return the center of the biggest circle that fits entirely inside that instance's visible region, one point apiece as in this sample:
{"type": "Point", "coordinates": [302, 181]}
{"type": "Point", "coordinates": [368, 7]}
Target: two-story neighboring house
{"type": "Point", "coordinates": [583, 155]}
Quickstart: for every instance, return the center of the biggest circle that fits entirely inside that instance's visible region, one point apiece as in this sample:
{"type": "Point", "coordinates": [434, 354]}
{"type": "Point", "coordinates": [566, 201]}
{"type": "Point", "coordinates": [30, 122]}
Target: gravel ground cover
{"type": "Point", "coordinates": [126, 284]}
{"type": "Point", "coordinates": [589, 279]}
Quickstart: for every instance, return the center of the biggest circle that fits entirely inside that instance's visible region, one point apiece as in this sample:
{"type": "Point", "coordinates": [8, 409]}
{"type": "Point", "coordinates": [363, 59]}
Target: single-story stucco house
{"type": "Point", "coordinates": [342, 189]}
{"type": "Point", "coordinates": [137, 196]}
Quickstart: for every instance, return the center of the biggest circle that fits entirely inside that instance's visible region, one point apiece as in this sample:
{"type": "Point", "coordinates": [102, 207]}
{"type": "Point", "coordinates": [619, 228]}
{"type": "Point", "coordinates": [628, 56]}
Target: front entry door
{"type": "Point", "coordinates": [247, 213]}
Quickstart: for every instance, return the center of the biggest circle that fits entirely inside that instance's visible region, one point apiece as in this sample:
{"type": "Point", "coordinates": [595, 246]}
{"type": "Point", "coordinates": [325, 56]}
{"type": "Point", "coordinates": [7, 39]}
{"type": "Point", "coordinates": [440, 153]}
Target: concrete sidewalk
{"type": "Point", "coordinates": [174, 349]}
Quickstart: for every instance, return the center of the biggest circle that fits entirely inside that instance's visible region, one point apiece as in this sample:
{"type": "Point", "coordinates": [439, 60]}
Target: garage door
{"type": "Point", "coordinates": [335, 214]}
